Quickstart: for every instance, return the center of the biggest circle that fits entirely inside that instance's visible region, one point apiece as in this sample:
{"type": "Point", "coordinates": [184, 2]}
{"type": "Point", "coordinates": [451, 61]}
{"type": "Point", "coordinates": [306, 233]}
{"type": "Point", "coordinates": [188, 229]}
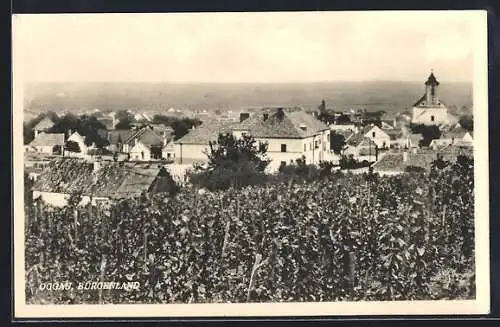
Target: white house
{"type": "Point", "coordinates": [429, 109]}
{"type": "Point", "coordinates": [290, 134]}
{"type": "Point", "coordinates": [140, 151]}
{"type": "Point", "coordinates": [377, 135]}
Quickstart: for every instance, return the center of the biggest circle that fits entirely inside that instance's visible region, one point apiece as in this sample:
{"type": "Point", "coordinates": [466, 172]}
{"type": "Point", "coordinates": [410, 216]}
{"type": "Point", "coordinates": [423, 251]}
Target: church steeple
{"type": "Point", "coordinates": [431, 90]}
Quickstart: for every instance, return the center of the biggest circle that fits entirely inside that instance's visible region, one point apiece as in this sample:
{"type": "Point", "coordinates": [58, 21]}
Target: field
{"type": "Point", "coordinates": [347, 237]}
{"type": "Point", "coordinates": [384, 95]}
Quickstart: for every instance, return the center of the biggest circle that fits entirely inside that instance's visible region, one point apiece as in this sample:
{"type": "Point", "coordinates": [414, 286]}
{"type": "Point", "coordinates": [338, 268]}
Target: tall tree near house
{"type": "Point", "coordinates": [232, 162]}
{"type": "Point", "coordinates": [72, 146]}
{"type": "Point", "coordinates": [429, 133]}
{"type": "Point", "coordinates": [337, 142]}
{"type": "Point", "coordinates": [325, 115]}
{"type": "Point", "coordinates": [86, 126]}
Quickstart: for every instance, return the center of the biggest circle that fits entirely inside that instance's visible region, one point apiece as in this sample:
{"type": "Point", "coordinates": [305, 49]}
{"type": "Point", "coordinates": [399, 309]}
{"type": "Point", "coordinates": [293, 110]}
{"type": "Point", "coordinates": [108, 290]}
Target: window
{"type": "Point", "coordinates": [432, 118]}
{"type": "Point", "coordinates": [373, 134]}
{"type": "Point", "coordinates": [283, 148]}
{"type": "Point", "coordinates": [168, 155]}
{"type": "Point", "coordinates": [305, 148]}
{"type": "Point", "coordinates": [316, 144]}
{"type": "Point", "coordinates": [283, 163]}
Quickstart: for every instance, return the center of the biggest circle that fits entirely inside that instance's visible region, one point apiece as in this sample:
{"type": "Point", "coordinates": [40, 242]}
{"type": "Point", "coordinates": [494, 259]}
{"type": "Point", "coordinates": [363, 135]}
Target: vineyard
{"type": "Point", "coordinates": [343, 238]}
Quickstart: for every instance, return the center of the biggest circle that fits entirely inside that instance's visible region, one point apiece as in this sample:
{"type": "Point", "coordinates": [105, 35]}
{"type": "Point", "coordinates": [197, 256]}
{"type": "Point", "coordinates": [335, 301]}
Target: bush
{"type": "Point", "coordinates": [232, 163]}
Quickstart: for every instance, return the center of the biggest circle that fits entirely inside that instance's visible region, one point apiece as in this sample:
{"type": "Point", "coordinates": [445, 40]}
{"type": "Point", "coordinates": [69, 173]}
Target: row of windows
{"type": "Point", "coordinates": [316, 146]}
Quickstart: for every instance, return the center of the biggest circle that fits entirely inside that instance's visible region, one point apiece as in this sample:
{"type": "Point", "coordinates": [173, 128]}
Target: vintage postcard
{"type": "Point", "coordinates": [250, 164]}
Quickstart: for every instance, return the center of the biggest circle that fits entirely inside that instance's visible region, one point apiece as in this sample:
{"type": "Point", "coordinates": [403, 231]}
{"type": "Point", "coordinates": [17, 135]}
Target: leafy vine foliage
{"type": "Point", "coordinates": [348, 237]}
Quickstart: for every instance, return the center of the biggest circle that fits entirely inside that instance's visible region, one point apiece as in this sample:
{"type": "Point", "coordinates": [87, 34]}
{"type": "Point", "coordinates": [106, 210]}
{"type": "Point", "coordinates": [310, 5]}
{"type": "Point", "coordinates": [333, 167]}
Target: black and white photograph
{"type": "Point", "coordinates": [250, 164]}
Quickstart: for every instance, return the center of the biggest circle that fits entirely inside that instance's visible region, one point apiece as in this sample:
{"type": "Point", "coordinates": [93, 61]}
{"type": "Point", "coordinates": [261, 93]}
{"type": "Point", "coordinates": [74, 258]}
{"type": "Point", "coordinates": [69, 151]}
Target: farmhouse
{"type": "Point", "coordinates": [98, 180]}
{"type": "Point", "coordinates": [49, 143]}
{"type": "Point", "coordinates": [43, 126]}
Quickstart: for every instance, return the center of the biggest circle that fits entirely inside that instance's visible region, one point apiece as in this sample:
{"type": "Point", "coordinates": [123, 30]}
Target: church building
{"type": "Point", "coordinates": [429, 109]}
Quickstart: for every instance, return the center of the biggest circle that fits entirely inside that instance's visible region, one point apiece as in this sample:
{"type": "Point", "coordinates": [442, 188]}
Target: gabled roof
{"type": "Point", "coordinates": [147, 137]}
{"type": "Point", "coordinates": [206, 132]}
{"type": "Point", "coordinates": [44, 124]}
{"type": "Point", "coordinates": [48, 139]}
{"type": "Point", "coordinates": [282, 123]}
{"type": "Point", "coordinates": [112, 179]}
{"type": "Point", "coordinates": [359, 138]}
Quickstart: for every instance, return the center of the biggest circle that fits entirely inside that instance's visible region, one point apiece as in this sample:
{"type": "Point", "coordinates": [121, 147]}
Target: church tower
{"type": "Point", "coordinates": [429, 109]}
{"type": "Point", "coordinates": [431, 85]}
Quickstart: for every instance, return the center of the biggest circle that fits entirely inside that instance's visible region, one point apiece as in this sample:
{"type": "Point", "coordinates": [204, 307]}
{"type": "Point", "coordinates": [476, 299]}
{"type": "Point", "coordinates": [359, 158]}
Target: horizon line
{"type": "Point", "coordinates": [245, 82]}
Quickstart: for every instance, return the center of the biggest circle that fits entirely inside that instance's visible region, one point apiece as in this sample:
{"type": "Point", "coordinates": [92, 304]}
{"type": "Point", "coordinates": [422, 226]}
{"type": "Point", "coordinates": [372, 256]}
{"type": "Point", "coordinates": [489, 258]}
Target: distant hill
{"type": "Point", "coordinates": [384, 95]}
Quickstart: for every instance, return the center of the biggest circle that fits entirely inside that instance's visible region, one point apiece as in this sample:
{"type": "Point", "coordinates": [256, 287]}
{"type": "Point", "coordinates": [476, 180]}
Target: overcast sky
{"type": "Point", "coordinates": [245, 47]}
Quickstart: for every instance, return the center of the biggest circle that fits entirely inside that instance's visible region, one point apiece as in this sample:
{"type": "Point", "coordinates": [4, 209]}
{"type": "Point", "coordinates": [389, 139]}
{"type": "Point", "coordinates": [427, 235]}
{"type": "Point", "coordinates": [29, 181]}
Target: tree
{"type": "Point", "coordinates": [429, 133]}
{"type": "Point", "coordinates": [72, 146]}
{"type": "Point", "coordinates": [343, 119]}
{"type": "Point", "coordinates": [87, 126]}
{"type": "Point", "coordinates": [232, 162]}
{"type": "Point", "coordinates": [125, 123]}
{"type": "Point", "coordinates": [467, 122]}
{"type": "Point", "coordinates": [337, 142]}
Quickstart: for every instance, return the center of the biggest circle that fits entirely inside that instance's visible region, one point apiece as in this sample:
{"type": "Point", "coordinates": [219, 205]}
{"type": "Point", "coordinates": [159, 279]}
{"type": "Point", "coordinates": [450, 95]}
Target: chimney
{"type": "Point", "coordinates": [164, 141]}
{"type": "Point", "coordinates": [405, 156]}
{"type": "Point", "coordinates": [69, 132]}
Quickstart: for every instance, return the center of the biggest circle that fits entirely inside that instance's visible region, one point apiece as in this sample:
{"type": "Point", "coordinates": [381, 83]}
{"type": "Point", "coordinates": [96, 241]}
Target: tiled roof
{"type": "Point", "coordinates": [147, 137]}
{"type": "Point", "coordinates": [44, 124]}
{"type": "Point", "coordinates": [356, 140]}
{"type": "Point", "coordinates": [282, 123]}
{"type": "Point", "coordinates": [48, 139]}
{"type": "Point", "coordinates": [393, 162]}
{"type": "Point", "coordinates": [112, 179]}
{"type": "Point", "coordinates": [206, 132]}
